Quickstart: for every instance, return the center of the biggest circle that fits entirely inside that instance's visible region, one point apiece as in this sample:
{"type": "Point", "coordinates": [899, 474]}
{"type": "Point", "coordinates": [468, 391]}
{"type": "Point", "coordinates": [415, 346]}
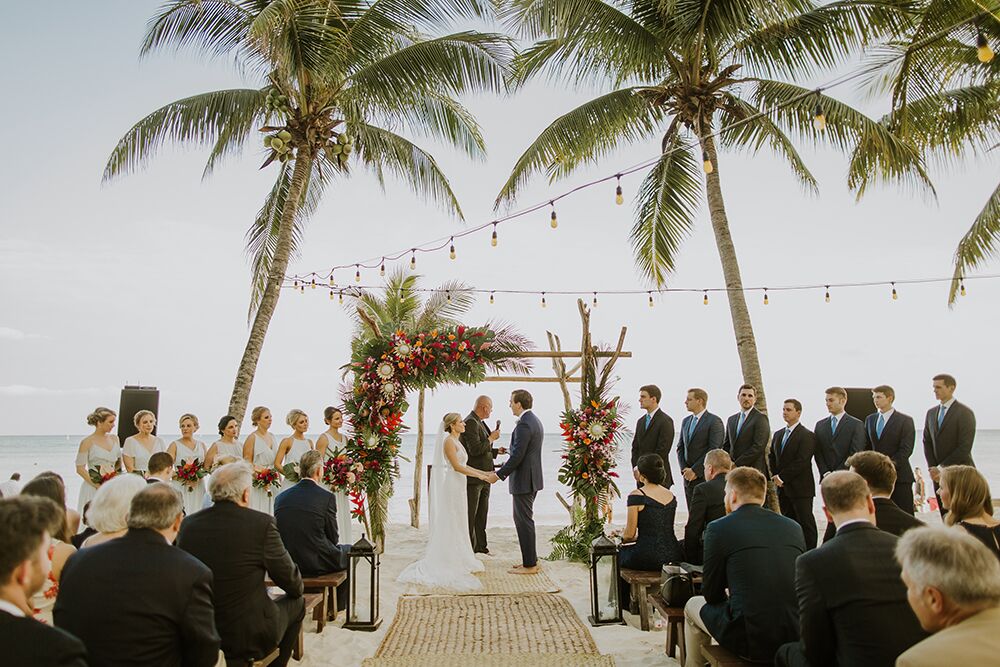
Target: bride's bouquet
{"type": "Point", "coordinates": [190, 472]}
{"type": "Point", "coordinates": [291, 471]}
{"type": "Point", "coordinates": [267, 479]}
{"type": "Point", "coordinates": [100, 474]}
{"type": "Point", "coordinates": [341, 472]}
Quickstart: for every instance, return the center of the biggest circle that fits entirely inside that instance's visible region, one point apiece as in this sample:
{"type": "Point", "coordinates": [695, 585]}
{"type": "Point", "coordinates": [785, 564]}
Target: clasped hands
{"type": "Point", "coordinates": [490, 478]}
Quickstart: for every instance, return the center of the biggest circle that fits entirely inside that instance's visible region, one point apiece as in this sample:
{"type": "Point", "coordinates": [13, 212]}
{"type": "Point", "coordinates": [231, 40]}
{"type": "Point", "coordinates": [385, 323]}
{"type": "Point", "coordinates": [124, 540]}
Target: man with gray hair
{"type": "Point", "coordinates": [307, 520]}
{"type": "Point", "coordinates": [708, 503]}
{"type": "Point", "coordinates": [137, 600]}
{"type": "Point", "coordinates": [243, 548]}
{"type": "Point", "coordinates": [478, 441]}
{"type": "Point", "coordinates": [953, 585]}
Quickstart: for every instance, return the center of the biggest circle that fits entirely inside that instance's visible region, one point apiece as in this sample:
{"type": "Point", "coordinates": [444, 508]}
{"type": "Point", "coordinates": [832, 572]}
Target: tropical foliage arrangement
{"type": "Point", "coordinates": [590, 455]}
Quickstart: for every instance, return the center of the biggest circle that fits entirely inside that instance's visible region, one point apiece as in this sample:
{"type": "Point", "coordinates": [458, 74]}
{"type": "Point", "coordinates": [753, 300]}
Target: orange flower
{"type": "Point", "coordinates": [585, 475]}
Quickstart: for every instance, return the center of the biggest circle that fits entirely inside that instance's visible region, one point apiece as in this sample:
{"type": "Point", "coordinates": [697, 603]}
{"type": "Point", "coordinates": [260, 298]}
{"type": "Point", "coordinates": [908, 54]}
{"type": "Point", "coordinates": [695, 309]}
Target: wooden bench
{"type": "Point", "coordinates": [326, 584]}
{"type": "Point", "coordinates": [641, 583]}
{"type": "Point", "coordinates": [674, 617]}
{"type": "Point", "coordinates": [316, 603]}
{"type": "Point", "coordinates": [720, 657]}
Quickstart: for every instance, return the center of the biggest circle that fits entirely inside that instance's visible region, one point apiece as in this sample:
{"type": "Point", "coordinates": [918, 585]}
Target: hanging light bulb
{"type": "Point", "coordinates": [894, 295]}
{"type": "Point", "coordinates": [650, 299]}
{"type": "Point", "coordinates": [332, 281]}
{"type": "Point", "coordinates": [554, 221]}
{"type": "Point", "coordinates": [765, 297]}
{"type": "Point", "coordinates": [451, 253]}
{"type": "Point", "coordinates": [819, 119]}
{"type": "Point", "coordinates": [312, 283]}
{"type": "Point", "coordinates": [296, 284]}
{"type": "Point", "coordinates": [827, 297]}
{"type": "Point", "coordinates": [381, 269]}
{"type": "Point", "coordinates": [340, 296]}
{"type": "Point", "coordinates": [491, 298]}
{"type": "Point", "coordinates": [983, 51]}
{"type": "Point", "coordinates": [619, 197]}
{"type": "Point", "coordinates": [357, 273]}
{"type": "Point", "coordinates": [302, 288]}
{"type": "Point", "coordinates": [595, 299]}
{"type": "Point", "coordinates": [543, 299]}
{"type": "Point", "coordinates": [706, 163]}
{"type": "Point", "coordinates": [493, 240]}
{"type": "Point", "coordinates": [331, 295]}
{"type": "Point", "coordinates": [413, 260]}
{"type": "Point", "coordinates": [705, 300]}
{"type": "Point", "coordinates": [961, 286]}
{"type": "Point", "coordinates": [449, 296]}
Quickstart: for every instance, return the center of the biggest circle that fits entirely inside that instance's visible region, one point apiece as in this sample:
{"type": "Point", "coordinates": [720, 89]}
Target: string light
{"type": "Point", "coordinates": [705, 300]}
{"type": "Point", "coordinates": [449, 296]}
{"type": "Point", "coordinates": [491, 298]}
{"type": "Point", "coordinates": [619, 197]}
{"type": "Point", "coordinates": [331, 295]}
{"type": "Point", "coordinates": [961, 286]}
{"type": "Point", "coordinates": [340, 297]}
{"type": "Point", "coordinates": [765, 297]}
{"type": "Point", "coordinates": [650, 299]}
{"type": "Point", "coordinates": [827, 297]}
{"type": "Point", "coordinates": [312, 283]}
{"type": "Point", "coordinates": [296, 285]}
{"type": "Point", "coordinates": [894, 294]}
{"type": "Point", "coordinates": [983, 51]}
{"type": "Point", "coordinates": [381, 269]}
{"type": "Point", "coordinates": [554, 220]}
{"type": "Point", "coordinates": [819, 118]}
{"type": "Point", "coordinates": [451, 253]}
{"type": "Point", "coordinates": [357, 274]}
{"type": "Point", "coordinates": [706, 163]}
{"type": "Point", "coordinates": [493, 239]}
{"type": "Point", "coordinates": [595, 300]}
{"type": "Point", "coordinates": [413, 260]}
{"type": "Point", "coordinates": [302, 288]}
{"type": "Point", "coordinates": [543, 299]}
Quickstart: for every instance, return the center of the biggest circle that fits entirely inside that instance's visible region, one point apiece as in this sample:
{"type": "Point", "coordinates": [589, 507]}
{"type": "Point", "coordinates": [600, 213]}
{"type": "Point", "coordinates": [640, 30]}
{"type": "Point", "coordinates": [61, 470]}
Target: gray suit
{"type": "Point", "coordinates": [523, 472]}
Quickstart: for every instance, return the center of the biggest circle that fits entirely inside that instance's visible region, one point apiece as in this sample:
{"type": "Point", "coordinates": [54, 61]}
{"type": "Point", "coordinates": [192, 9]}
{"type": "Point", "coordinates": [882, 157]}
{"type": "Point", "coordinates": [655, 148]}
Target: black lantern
{"type": "Point", "coordinates": [604, 606]}
{"type": "Point", "coordinates": [362, 605]}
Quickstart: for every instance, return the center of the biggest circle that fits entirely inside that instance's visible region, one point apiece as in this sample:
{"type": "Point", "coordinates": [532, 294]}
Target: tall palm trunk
{"type": "Point", "coordinates": [746, 344]}
{"type": "Point", "coordinates": [272, 290]}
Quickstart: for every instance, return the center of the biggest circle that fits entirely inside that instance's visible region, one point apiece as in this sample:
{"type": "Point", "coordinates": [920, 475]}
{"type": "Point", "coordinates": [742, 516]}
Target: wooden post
{"type": "Point", "coordinates": [559, 366]}
{"type": "Point", "coordinates": [418, 460]}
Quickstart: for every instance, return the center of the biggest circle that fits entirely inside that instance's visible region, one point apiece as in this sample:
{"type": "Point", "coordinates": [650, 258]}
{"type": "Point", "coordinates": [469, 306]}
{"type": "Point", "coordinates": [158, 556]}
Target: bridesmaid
{"type": "Point", "coordinates": [186, 450]}
{"type": "Point", "coordinates": [98, 450]}
{"type": "Point", "coordinates": [294, 446]}
{"type": "Point", "coordinates": [259, 450]}
{"type": "Point", "coordinates": [331, 443]}
{"type": "Point", "coordinates": [226, 446]}
{"type": "Point", "coordinates": [139, 447]}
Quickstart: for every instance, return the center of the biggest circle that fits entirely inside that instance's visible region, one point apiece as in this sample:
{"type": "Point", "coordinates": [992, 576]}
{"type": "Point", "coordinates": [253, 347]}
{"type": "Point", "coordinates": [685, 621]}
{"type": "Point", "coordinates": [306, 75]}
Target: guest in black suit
{"type": "Point", "coordinates": [748, 593]}
{"type": "Point", "coordinates": [892, 433]}
{"type": "Point", "coordinates": [791, 467]}
{"type": "Point", "coordinates": [852, 603]}
{"type": "Point", "coordinates": [478, 441]}
{"type": "Point", "coordinates": [949, 430]}
{"type": "Point", "coordinates": [748, 432]}
{"type": "Point", "coordinates": [700, 432]}
{"type": "Point", "coordinates": [306, 515]}
{"type": "Point", "coordinates": [523, 470]}
{"type": "Point", "coordinates": [708, 503]}
{"type": "Point", "coordinates": [654, 432]}
{"type": "Point", "coordinates": [837, 436]}
{"type": "Point", "coordinates": [878, 471]}
{"type": "Point", "coordinates": [160, 468]}
{"type": "Point", "coordinates": [250, 622]}
{"type": "Point", "coordinates": [137, 600]}
{"type": "Point", "coordinates": [24, 569]}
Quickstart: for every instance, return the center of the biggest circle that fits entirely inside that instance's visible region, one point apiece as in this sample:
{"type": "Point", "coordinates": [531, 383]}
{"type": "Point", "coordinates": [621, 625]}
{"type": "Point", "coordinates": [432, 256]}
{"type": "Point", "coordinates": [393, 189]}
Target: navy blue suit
{"type": "Point", "coordinates": [523, 472]}
{"type": "Point", "coordinates": [898, 437]}
{"type": "Point", "coordinates": [709, 433]}
{"type": "Point", "coordinates": [834, 447]}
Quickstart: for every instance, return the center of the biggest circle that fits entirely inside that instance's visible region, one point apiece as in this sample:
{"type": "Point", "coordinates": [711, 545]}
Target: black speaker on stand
{"type": "Point", "coordinates": [134, 399]}
{"type": "Point", "coordinates": [859, 402]}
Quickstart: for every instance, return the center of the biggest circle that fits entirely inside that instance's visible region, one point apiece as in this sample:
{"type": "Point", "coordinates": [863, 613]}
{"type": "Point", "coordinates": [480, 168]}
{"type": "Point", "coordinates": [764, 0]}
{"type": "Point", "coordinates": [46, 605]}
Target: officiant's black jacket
{"type": "Point", "coordinates": [28, 643]}
{"type": "Point", "coordinates": [657, 439]}
{"type": "Point", "coordinates": [749, 446]}
{"type": "Point", "coordinates": [137, 600]}
{"type": "Point", "coordinates": [242, 546]}
{"type": "Point", "coordinates": [476, 441]}
{"type": "Point", "coordinates": [307, 521]}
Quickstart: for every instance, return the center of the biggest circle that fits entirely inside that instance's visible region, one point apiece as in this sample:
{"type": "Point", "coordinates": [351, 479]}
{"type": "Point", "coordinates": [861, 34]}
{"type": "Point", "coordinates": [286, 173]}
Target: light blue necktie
{"type": "Point", "coordinates": [649, 418]}
{"type": "Point", "coordinates": [879, 425]}
{"type": "Point", "coordinates": [784, 441]}
{"type": "Point", "coordinates": [694, 423]}
{"type": "Point", "coordinates": [833, 425]}
{"type": "Point", "coordinates": [941, 412]}
{"type": "Point", "coordinates": [739, 426]}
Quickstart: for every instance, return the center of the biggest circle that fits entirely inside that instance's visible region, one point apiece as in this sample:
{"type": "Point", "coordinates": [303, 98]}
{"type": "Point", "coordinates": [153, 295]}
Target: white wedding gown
{"type": "Point", "coordinates": [448, 561]}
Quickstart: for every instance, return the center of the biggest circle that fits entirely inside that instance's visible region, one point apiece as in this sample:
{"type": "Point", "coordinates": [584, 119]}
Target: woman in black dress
{"type": "Point", "coordinates": [965, 493]}
{"type": "Point", "coordinates": [648, 542]}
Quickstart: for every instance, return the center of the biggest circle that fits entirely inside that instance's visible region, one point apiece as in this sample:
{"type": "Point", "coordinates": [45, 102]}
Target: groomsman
{"type": "Point", "coordinates": [654, 432]}
{"type": "Point", "coordinates": [949, 429]}
{"type": "Point", "coordinates": [892, 433]}
{"type": "Point", "coordinates": [791, 456]}
{"type": "Point", "coordinates": [747, 432]}
{"type": "Point", "coordinates": [701, 431]}
{"type": "Point", "coordinates": [837, 436]}
{"type": "Point", "coordinates": [478, 441]}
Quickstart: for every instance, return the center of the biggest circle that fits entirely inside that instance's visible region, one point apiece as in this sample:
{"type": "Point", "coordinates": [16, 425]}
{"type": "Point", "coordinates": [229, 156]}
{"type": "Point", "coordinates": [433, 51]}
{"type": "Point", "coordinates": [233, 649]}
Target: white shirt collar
{"type": "Point", "coordinates": [839, 415]}
{"type": "Point", "coordinates": [848, 523]}
{"type": "Point", "coordinates": [792, 426]}
{"type": "Point", "coordinates": [746, 413]}
{"type": "Point", "coordinates": [947, 404]}
{"type": "Point", "coordinates": [653, 411]}
{"type": "Point", "coordinates": [11, 609]}
{"type": "Point", "coordinates": [887, 414]}
{"type": "Point", "coordinates": [699, 414]}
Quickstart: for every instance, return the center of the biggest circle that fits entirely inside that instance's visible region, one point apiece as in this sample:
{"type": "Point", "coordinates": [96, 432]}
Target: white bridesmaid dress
{"type": "Point", "coordinates": [344, 522]}
{"type": "Point", "coordinates": [194, 496]}
{"type": "Point", "coordinates": [264, 452]}
{"type": "Point", "coordinates": [224, 449]}
{"type": "Point", "coordinates": [96, 457]}
{"type": "Point", "coordinates": [140, 454]}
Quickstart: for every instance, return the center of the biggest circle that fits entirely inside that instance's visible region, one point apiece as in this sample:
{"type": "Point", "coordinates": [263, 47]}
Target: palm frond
{"type": "Point", "coordinates": [980, 243]}
{"type": "Point", "coordinates": [215, 27]}
{"type": "Point", "coordinates": [442, 308]}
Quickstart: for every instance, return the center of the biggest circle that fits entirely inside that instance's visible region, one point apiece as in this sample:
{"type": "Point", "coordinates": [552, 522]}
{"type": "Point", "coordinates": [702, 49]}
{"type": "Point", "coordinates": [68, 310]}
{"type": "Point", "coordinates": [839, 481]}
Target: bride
{"type": "Point", "coordinates": [448, 561]}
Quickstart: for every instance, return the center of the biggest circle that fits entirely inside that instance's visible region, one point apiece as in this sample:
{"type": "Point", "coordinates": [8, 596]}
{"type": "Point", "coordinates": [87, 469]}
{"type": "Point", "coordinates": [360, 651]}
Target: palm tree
{"type": "Point", "coordinates": [334, 74]}
{"type": "Point", "coordinates": [945, 89]}
{"type": "Point", "coordinates": [696, 73]}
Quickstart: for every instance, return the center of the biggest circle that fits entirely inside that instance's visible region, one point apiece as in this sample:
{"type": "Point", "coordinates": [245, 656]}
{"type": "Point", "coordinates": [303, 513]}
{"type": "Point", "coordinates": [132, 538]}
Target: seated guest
{"type": "Point", "coordinates": [748, 600]}
{"type": "Point", "coordinates": [60, 549]}
{"type": "Point", "coordinates": [161, 468]}
{"type": "Point", "coordinates": [11, 487]}
{"type": "Point", "coordinates": [708, 503]}
{"type": "Point", "coordinates": [24, 565]}
{"type": "Point", "coordinates": [108, 513]}
{"type": "Point", "coordinates": [51, 485]}
{"type": "Point", "coordinates": [852, 603]}
{"type": "Point", "coordinates": [791, 470]}
{"type": "Point", "coordinates": [966, 495]}
{"type": "Point", "coordinates": [87, 531]}
{"type": "Point", "coordinates": [879, 473]}
{"type": "Point", "coordinates": [306, 515]}
{"type": "Point", "coordinates": [250, 622]}
{"type": "Point", "coordinates": [138, 600]}
{"type": "Point", "coordinates": [649, 526]}
{"type": "Point", "coordinates": [953, 585]}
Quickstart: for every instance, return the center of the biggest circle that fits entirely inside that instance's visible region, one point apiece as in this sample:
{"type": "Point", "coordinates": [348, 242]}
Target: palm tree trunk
{"type": "Point", "coordinates": [272, 290]}
{"type": "Point", "coordinates": [418, 464]}
{"type": "Point", "coordinates": [746, 344]}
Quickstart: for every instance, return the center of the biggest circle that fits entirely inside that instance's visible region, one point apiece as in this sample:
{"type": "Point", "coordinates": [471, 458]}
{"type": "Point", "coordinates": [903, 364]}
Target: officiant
{"type": "Point", "coordinates": [478, 441]}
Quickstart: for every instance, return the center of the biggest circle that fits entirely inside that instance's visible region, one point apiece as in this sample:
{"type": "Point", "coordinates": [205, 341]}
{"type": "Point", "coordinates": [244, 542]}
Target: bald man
{"type": "Point", "coordinates": [478, 441]}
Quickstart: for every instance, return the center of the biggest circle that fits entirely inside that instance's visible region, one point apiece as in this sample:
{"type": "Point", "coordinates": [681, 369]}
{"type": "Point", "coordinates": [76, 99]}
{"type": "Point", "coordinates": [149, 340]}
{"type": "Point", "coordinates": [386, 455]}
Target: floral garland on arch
{"type": "Point", "coordinates": [591, 436]}
{"type": "Point", "coordinates": [384, 369]}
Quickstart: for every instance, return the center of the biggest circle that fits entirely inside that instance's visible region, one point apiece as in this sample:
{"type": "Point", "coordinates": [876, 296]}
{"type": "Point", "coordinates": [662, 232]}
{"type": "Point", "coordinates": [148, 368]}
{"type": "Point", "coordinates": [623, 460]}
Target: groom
{"type": "Point", "coordinates": [524, 468]}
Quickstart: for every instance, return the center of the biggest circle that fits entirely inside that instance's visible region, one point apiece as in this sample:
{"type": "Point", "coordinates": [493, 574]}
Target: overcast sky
{"type": "Point", "coordinates": [145, 280]}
